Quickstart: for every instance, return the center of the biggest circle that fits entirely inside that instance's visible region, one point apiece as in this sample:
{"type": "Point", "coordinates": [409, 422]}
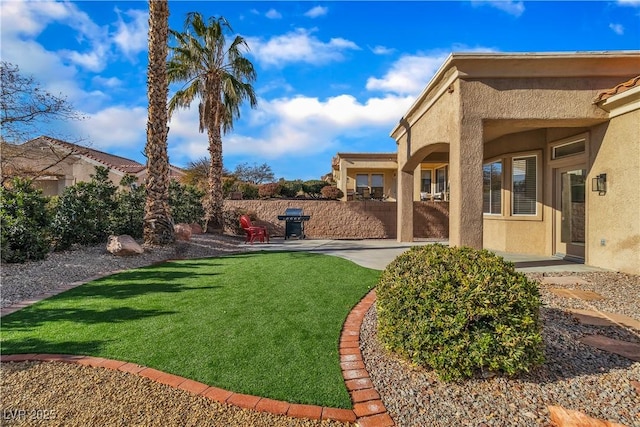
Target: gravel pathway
{"type": "Point", "coordinates": [574, 376]}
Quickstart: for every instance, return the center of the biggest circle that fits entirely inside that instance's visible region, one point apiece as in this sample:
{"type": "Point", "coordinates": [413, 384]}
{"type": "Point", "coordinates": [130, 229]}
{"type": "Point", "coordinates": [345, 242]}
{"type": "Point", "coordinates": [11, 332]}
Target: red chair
{"type": "Point", "coordinates": [253, 232]}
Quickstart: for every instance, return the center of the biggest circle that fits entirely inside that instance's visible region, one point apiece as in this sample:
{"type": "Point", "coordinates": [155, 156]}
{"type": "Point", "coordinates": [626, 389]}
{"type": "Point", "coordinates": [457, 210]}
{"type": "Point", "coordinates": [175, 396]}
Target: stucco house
{"type": "Point", "coordinates": [362, 176]}
{"type": "Point", "coordinates": [58, 164]}
{"type": "Point", "coordinates": [542, 153]}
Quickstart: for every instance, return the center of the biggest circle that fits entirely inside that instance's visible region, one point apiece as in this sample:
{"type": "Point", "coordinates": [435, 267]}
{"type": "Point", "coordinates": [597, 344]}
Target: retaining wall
{"type": "Point", "coordinates": [347, 220]}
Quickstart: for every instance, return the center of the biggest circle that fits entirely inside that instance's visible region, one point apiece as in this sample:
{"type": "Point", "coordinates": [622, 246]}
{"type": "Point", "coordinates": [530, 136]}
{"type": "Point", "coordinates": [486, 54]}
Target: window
{"type": "Point", "coordinates": [524, 186]}
{"type": "Point", "coordinates": [492, 188]}
{"type": "Point", "coordinates": [425, 182]}
{"type": "Point", "coordinates": [362, 183]}
{"type": "Point", "coordinates": [569, 149]}
{"type": "Point", "coordinates": [377, 186]}
{"type": "Point", "coordinates": [441, 180]}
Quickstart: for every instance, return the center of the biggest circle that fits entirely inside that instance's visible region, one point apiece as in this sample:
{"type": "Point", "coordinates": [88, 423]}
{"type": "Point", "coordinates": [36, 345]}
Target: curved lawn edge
{"type": "Point", "coordinates": [368, 408]}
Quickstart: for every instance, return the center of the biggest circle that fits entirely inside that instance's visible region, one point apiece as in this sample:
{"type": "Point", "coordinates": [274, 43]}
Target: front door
{"type": "Point", "coordinates": [569, 230]}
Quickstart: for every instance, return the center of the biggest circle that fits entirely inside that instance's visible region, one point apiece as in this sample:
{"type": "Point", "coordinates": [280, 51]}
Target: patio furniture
{"type": "Point", "coordinates": [294, 222]}
{"type": "Point", "coordinates": [253, 232]}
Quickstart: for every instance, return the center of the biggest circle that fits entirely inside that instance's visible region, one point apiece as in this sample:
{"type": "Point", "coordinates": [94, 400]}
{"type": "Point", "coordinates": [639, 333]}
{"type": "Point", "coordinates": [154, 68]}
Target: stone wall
{"type": "Point", "coordinates": [347, 220]}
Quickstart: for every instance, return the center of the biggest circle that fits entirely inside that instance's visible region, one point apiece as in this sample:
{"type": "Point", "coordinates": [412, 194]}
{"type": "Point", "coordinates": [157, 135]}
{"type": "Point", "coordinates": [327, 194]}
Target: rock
{"type": "Point", "coordinates": [183, 231]}
{"type": "Point", "coordinates": [123, 245]}
{"type": "Point", "coordinates": [196, 228]}
{"type": "Point", "coordinates": [562, 417]}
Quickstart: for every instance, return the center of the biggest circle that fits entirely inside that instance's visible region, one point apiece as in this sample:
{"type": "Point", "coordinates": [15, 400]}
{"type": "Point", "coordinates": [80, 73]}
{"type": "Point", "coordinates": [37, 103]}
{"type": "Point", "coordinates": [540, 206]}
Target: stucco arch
{"type": "Point", "coordinates": [421, 153]}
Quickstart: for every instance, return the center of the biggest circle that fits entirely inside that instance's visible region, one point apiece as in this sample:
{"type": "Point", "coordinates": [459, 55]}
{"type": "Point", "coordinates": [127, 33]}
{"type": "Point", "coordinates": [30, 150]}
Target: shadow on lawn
{"type": "Point", "coordinates": [38, 346]}
{"type": "Point", "coordinates": [29, 318]}
{"type": "Point", "coordinates": [127, 290]}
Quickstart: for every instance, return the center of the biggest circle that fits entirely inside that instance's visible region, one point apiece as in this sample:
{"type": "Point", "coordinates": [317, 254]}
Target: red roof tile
{"type": "Point", "coordinates": [115, 162]}
{"type": "Point", "coordinates": [622, 87]}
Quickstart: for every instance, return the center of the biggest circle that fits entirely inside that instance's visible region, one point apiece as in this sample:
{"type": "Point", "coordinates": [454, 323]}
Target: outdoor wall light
{"type": "Point", "coordinates": [599, 184]}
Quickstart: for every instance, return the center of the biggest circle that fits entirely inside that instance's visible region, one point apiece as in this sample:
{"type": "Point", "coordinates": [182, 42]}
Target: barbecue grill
{"type": "Point", "coordinates": [294, 222]}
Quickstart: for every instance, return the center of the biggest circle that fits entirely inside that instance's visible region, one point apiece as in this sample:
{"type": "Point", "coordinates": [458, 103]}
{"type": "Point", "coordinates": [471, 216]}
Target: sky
{"type": "Point", "coordinates": [332, 76]}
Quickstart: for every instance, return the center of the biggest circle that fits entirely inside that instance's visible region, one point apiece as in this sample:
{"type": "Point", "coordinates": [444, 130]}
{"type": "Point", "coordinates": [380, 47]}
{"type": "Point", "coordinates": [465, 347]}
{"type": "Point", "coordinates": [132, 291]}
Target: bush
{"type": "Point", "coordinates": [331, 192]}
{"type": "Point", "coordinates": [83, 212]}
{"type": "Point", "coordinates": [249, 191]}
{"type": "Point", "coordinates": [313, 188]}
{"type": "Point", "coordinates": [186, 203]}
{"type": "Point", "coordinates": [231, 219]}
{"type": "Point", "coordinates": [290, 189]}
{"type": "Point", "coordinates": [25, 223]}
{"type": "Point", "coordinates": [458, 311]}
{"type": "Point", "coordinates": [128, 215]}
{"type": "Point", "coordinates": [266, 191]}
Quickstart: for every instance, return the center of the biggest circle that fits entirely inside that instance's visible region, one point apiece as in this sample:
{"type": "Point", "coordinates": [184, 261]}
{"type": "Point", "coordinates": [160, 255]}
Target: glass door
{"type": "Point", "coordinates": [570, 212]}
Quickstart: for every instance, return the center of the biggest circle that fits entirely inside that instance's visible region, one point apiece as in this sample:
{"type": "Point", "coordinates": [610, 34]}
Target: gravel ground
{"type": "Point", "coordinates": [60, 394]}
{"type": "Point", "coordinates": [574, 376]}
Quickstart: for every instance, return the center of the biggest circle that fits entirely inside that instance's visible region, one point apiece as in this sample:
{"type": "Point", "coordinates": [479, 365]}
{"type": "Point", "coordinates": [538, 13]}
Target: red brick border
{"type": "Point", "coordinates": [367, 405]}
{"type": "Point", "coordinates": [368, 409]}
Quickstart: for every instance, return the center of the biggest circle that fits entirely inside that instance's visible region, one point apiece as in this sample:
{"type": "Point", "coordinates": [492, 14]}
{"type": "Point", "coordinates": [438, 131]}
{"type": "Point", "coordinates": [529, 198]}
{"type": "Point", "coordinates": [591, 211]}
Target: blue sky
{"type": "Point", "coordinates": [332, 76]}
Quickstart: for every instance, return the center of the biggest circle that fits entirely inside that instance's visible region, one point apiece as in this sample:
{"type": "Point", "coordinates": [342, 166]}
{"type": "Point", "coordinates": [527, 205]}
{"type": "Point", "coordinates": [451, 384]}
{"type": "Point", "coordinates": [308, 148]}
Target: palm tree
{"type": "Point", "coordinates": [220, 77]}
{"type": "Point", "coordinates": [158, 226]}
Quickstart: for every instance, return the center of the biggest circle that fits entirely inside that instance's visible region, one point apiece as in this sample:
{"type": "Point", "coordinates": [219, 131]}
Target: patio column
{"type": "Point", "coordinates": [465, 177]}
{"type": "Point", "coordinates": [405, 206]}
{"type": "Point", "coordinates": [343, 178]}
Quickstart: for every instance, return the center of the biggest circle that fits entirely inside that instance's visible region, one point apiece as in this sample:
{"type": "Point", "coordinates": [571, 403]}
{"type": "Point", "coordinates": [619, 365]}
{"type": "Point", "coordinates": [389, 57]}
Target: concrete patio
{"type": "Point", "coordinates": [377, 253]}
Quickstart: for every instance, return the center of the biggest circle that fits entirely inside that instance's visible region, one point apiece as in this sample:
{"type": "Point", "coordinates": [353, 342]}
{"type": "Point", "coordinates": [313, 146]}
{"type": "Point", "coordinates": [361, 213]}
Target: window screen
{"type": "Point", "coordinates": [524, 186]}
{"type": "Point", "coordinates": [492, 188]}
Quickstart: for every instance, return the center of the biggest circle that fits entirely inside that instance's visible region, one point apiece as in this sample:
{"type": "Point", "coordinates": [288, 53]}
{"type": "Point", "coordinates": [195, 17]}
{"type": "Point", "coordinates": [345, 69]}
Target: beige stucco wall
{"type": "Point", "coordinates": [347, 220]}
{"type": "Point", "coordinates": [615, 216]}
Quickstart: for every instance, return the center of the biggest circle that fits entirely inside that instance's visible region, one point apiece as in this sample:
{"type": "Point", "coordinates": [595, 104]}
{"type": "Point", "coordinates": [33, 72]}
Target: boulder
{"type": "Point", "coordinates": [183, 231]}
{"type": "Point", "coordinates": [196, 228]}
{"type": "Point", "coordinates": [123, 245]}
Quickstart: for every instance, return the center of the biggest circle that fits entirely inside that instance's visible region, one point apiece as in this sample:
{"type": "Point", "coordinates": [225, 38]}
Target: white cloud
{"type": "Point", "coordinates": [291, 126]}
{"type": "Point", "coordinates": [515, 8]}
{"type": "Point", "coordinates": [632, 3]}
{"type": "Point", "coordinates": [273, 14]}
{"type": "Point", "coordinates": [317, 11]}
{"type": "Point", "coordinates": [298, 46]}
{"type": "Point", "coordinates": [617, 28]}
{"type": "Point", "coordinates": [409, 75]}
{"type": "Point", "coordinates": [114, 127]}
{"type": "Point", "coordinates": [382, 50]}
{"type": "Point", "coordinates": [108, 82]}
{"type": "Point", "coordinates": [131, 37]}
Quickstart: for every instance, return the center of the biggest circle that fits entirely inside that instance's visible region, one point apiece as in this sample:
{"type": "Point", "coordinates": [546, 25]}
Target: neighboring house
{"type": "Point", "coordinates": [58, 164]}
{"type": "Point", "coordinates": [543, 153]}
{"type": "Point", "coordinates": [363, 176]}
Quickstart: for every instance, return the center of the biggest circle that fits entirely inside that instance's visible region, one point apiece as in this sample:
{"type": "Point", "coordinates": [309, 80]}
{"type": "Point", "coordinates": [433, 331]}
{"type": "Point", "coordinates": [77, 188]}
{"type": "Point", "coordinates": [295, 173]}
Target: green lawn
{"type": "Point", "coordinates": [260, 323]}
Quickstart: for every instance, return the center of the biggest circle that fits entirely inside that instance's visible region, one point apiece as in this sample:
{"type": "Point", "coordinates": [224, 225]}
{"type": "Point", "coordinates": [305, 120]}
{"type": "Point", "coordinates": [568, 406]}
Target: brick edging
{"type": "Point", "coordinates": [220, 395]}
{"type": "Point", "coordinates": [367, 404]}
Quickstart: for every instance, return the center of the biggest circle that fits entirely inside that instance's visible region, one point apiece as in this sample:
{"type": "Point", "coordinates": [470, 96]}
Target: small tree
{"type": "Point", "coordinates": [255, 174]}
{"type": "Point", "coordinates": [83, 212]}
{"type": "Point", "coordinates": [313, 188]}
{"type": "Point", "coordinates": [25, 222]}
{"type": "Point", "coordinates": [128, 215]}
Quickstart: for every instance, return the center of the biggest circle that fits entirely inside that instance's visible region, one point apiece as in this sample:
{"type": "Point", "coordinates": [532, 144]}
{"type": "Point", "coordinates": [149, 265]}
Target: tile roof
{"type": "Point", "coordinates": [115, 162]}
{"type": "Point", "coordinates": [622, 87]}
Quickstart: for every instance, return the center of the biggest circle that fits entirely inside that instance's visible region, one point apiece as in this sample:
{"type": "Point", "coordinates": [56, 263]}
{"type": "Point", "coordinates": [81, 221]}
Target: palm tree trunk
{"type": "Point", "coordinates": [158, 226]}
{"type": "Point", "coordinates": [213, 205]}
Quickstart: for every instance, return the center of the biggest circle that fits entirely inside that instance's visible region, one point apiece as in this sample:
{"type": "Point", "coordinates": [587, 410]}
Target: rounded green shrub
{"type": "Point", "coordinates": [459, 311]}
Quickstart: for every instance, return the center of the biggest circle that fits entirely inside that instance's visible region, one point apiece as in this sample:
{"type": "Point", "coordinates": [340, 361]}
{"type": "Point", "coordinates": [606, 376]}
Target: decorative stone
{"type": "Point", "coordinates": [569, 418]}
{"type": "Point", "coordinates": [603, 318]}
{"type": "Point", "coordinates": [625, 349]}
{"type": "Point", "coordinates": [563, 280]}
{"type": "Point", "coordinates": [196, 228]}
{"type": "Point", "coordinates": [577, 293]}
{"type": "Point", "coordinates": [182, 231]}
{"type": "Point", "coordinates": [123, 245]}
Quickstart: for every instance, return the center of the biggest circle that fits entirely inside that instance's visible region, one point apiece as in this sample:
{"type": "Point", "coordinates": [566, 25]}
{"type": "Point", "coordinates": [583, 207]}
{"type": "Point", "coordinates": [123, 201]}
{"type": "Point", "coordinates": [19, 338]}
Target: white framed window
{"type": "Point", "coordinates": [492, 188]}
{"type": "Point", "coordinates": [362, 182]}
{"type": "Point", "coordinates": [425, 181]}
{"type": "Point", "coordinates": [441, 180]}
{"type": "Point", "coordinates": [524, 185]}
{"type": "Point", "coordinates": [567, 149]}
